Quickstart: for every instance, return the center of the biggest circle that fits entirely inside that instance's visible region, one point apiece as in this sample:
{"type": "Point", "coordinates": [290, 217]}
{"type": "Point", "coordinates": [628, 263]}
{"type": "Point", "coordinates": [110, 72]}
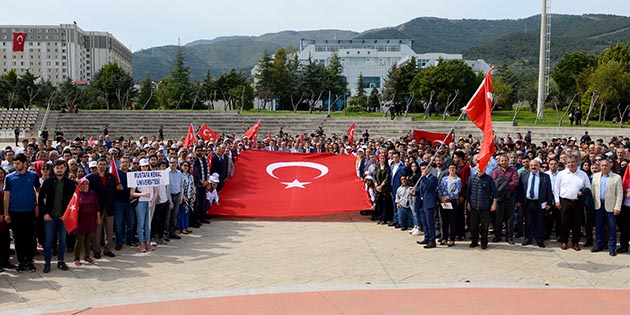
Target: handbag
{"type": "Point", "coordinates": [134, 200]}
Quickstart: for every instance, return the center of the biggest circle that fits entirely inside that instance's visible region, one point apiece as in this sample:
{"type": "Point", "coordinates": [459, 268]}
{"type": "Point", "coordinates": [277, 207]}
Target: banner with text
{"type": "Point", "coordinates": [148, 178]}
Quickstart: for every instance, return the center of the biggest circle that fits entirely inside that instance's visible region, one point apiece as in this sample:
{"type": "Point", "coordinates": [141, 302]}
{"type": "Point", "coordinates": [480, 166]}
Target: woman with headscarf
{"type": "Point", "coordinates": [89, 218]}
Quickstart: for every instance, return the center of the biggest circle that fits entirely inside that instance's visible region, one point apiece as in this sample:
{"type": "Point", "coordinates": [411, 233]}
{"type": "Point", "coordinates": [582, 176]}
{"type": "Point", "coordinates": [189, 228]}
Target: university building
{"type": "Point", "coordinates": [373, 58]}
{"type": "Point", "coordinates": [58, 52]}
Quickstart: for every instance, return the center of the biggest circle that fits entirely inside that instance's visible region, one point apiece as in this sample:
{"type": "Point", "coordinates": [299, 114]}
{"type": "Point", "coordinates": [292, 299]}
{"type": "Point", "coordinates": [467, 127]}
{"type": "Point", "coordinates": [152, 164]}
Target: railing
{"type": "Point", "coordinates": [45, 120]}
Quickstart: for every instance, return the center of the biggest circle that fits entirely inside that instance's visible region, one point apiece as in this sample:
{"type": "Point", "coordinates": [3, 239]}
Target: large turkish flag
{"type": "Point", "coordinates": [280, 184]}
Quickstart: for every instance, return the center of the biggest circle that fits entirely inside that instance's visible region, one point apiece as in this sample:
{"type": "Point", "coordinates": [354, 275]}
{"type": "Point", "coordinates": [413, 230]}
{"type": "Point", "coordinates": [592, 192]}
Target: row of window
{"type": "Point", "coordinates": [381, 48]}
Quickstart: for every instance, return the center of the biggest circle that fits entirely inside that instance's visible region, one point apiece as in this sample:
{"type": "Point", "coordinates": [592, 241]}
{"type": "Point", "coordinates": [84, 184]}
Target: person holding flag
{"type": "Point", "coordinates": [623, 220]}
{"type": "Point", "coordinates": [81, 218]}
{"type": "Point", "coordinates": [53, 200]}
{"type": "Point", "coordinates": [104, 184]}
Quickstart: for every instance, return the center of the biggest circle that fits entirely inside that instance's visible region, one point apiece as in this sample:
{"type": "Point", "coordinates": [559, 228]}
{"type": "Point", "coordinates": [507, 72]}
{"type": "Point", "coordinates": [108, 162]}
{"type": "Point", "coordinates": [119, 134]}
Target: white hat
{"type": "Point", "coordinates": [214, 179]}
{"type": "Point", "coordinates": [92, 164]}
{"type": "Point", "coordinates": [572, 139]}
{"type": "Point", "coordinates": [348, 147]}
{"type": "Point", "coordinates": [144, 162]}
{"type": "Point", "coordinates": [369, 177]}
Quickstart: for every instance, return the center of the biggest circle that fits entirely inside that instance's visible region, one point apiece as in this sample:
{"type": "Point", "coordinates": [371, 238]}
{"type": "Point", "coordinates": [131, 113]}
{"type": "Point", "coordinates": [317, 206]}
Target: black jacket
{"type": "Point", "coordinates": [105, 194]}
{"type": "Point", "coordinates": [46, 198]}
{"type": "Point", "coordinates": [545, 194]}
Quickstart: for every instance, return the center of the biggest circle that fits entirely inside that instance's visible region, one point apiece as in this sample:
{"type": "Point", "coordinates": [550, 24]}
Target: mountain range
{"type": "Point", "coordinates": [511, 42]}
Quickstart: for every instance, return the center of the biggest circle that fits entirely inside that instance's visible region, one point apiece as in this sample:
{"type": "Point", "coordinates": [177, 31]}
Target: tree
{"type": "Point", "coordinates": [334, 81]}
{"type": "Point", "coordinates": [9, 89]}
{"type": "Point", "coordinates": [502, 92]}
{"type": "Point", "coordinates": [613, 85]}
{"type": "Point", "coordinates": [313, 83]}
{"type": "Point", "coordinates": [265, 79]}
{"type": "Point", "coordinates": [294, 82]}
{"type": "Point", "coordinates": [208, 90]}
{"type": "Point", "coordinates": [565, 74]}
{"type": "Point", "coordinates": [373, 100]}
{"type": "Point", "coordinates": [446, 79]}
{"type": "Point", "coordinates": [618, 52]}
{"type": "Point", "coordinates": [28, 88]}
{"type": "Point", "coordinates": [229, 88]}
{"type": "Point", "coordinates": [280, 76]}
{"type": "Point", "coordinates": [145, 96]}
{"type": "Point", "coordinates": [360, 99]}
{"type": "Point", "coordinates": [114, 85]}
{"type": "Point", "coordinates": [67, 93]}
{"type": "Point", "coordinates": [179, 92]}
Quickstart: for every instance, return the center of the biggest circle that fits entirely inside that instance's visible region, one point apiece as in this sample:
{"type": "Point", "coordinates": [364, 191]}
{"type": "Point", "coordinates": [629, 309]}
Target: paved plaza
{"type": "Point", "coordinates": [234, 256]}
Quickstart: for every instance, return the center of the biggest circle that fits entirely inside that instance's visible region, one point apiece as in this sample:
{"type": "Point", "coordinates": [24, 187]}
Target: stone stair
{"type": "Point", "coordinates": [175, 124]}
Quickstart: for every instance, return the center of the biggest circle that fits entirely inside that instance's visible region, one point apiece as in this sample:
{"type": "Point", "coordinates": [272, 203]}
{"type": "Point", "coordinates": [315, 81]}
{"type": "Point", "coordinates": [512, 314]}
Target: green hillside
{"type": "Point", "coordinates": [512, 42]}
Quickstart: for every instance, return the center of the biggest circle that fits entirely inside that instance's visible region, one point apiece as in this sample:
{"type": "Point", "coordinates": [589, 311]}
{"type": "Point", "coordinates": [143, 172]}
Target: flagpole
{"type": "Point", "coordinates": [451, 131]}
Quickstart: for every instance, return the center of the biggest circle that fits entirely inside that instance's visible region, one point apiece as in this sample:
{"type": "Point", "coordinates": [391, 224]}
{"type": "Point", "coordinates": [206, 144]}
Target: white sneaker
{"type": "Point", "coordinates": [416, 233]}
{"type": "Point", "coordinates": [413, 230]}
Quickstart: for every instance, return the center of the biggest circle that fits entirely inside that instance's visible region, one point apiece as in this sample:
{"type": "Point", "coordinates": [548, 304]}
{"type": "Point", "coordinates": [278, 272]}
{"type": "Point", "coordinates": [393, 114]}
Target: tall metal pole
{"type": "Point", "coordinates": [542, 62]}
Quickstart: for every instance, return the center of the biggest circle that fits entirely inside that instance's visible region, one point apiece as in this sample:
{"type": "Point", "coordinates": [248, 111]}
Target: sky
{"type": "Point", "coordinates": [141, 24]}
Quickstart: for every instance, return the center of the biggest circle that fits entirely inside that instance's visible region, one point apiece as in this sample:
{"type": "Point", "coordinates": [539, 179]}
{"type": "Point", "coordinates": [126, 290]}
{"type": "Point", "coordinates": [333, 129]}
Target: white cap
{"type": "Point", "coordinates": [214, 179]}
{"type": "Point", "coordinates": [144, 162]}
{"type": "Point", "coordinates": [92, 164]}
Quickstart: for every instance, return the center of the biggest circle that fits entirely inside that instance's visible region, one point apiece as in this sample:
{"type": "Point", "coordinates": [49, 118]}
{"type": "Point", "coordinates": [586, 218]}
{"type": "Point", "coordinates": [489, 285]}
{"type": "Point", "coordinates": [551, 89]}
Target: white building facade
{"type": "Point", "coordinates": [373, 58]}
{"type": "Point", "coordinates": [58, 52]}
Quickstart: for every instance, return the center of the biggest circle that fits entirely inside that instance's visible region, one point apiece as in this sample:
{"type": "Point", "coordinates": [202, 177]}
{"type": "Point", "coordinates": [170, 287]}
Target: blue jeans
{"type": "Point", "coordinates": [415, 211]}
{"type": "Point", "coordinates": [144, 225]}
{"type": "Point", "coordinates": [603, 217]}
{"type": "Point", "coordinates": [396, 219]}
{"type": "Point", "coordinates": [428, 224]}
{"type": "Point", "coordinates": [51, 228]}
{"type": "Point", "coordinates": [123, 219]}
{"type": "Point", "coordinates": [403, 216]}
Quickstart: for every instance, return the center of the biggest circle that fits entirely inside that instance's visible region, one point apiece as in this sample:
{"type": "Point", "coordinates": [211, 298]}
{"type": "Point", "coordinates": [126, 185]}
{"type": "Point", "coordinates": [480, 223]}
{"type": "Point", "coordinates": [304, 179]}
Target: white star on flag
{"type": "Point", "coordinates": [295, 184]}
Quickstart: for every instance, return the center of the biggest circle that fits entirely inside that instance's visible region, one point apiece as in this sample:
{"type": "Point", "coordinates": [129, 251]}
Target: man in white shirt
{"type": "Point", "coordinates": [569, 184]}
{"type": "Point", "coordinates": [607, 196]}
{"type": "Point", "coordinates": [552, 219]}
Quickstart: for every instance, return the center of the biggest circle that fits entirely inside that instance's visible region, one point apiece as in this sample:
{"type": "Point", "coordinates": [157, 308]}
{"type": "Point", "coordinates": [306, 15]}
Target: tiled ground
{"type": "Point", "coordinates": [345, 251]}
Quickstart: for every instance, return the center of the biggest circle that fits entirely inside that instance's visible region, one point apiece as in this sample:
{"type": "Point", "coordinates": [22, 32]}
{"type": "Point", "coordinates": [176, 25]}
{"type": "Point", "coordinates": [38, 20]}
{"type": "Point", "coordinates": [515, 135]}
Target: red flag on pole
{"type": "Point", "coordinates": [91, 141]}
{"type": "Point", "coordinates": [18, 41]}
{"type": "Point", "coordinates": [479, 110]}
{"type": "Point", "coordinates": [207, 134]}
{"type": "Point", "coordinates": [626, 179]}
{"type": "Point", "coordinates": [114, 170]}
{"type": "Point", "coordinates": [350, 133]}
{"type": "Point", "coordinates": [269, 137]}
{"type": "Point", "coordinates": [432, 137]}
{"type": "Point", "coordinates": [251, 132]}
{"type": "Point", "coordinates": [190, 137]}
{"type": "Point", "coordinates": [276, 184]}
{"type": "Point", "coordinates": [70, 218]}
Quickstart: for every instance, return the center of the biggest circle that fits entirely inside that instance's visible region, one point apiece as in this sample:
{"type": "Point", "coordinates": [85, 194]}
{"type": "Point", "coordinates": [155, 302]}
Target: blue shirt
{"type": "Point", "coordinates": [536, 185]}
{"type": "Point", "coordinates": [602, 186]}
{"type": "Point", "coordinates": [22, 190]}
{"type": "Point", "coordinates": [175, 182]}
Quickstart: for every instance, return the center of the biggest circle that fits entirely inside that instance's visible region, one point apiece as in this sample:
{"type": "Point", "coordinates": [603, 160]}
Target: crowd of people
{"type": "Point", "coordinates": [562, 188]}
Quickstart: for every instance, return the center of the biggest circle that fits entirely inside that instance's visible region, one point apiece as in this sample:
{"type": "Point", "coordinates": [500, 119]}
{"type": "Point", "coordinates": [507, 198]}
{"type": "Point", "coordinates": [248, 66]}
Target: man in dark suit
{"type": "Point", "coordinates": [103, 184]}
{"type": "Point", "coordinates": [427, 192]}
{"type": "Point", "coordinates": [535, 196]}
{"type": "Point", "coordinates": [201, 177]}
{"type": "Point", "coordinates": [398, 170]}
{"type": "Point", "coordinates": [220, 165]}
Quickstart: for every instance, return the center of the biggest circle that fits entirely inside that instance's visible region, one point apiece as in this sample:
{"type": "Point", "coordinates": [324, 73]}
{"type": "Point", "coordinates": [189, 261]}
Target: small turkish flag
{"type": "Point", "coordinates": [70, 218]}
{"type": "Point", "coordinates": [251, 132]}
{"type": "Point", "coordinates": [351, 134]}
{"type": "Point", "coordinates": [207, 134]}
{"type": "Point", "coordinates": [91, 142]}
{"type": "Point", "coordinates": [190, 137]}
{"type": "Point", "coordinates": [432, 137]}
{"type": "Point", "coordinates": [18, 41]}
{"type": "Point", "coordinates": [280, 184]}
{"type": "Point", "coordinates": [626, 180]}
{"type": "Point", "coordinates": [479, 110]}
{"type": "Point", "coordinates": [114, 170]}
